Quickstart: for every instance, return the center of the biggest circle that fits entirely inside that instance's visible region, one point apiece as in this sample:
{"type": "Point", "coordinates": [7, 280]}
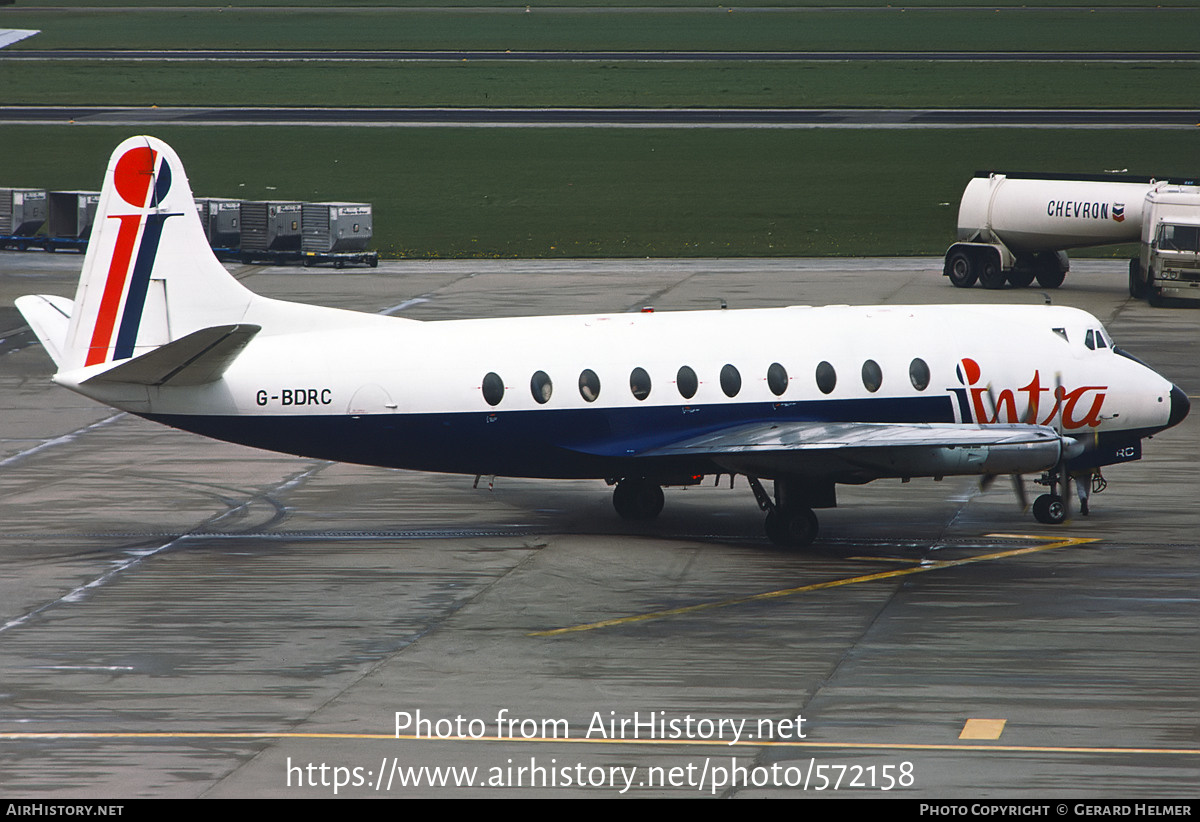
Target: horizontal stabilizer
{"type": "Point", "coordinates": [200, 357]}
{"type": "Point", "coordinates": [49, 317]}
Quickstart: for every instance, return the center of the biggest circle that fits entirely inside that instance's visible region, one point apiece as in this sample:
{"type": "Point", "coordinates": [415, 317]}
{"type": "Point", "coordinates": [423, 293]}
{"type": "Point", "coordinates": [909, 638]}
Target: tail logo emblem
{"type": "Point", "coordinates": [134, 174]}
{"type": "Point", "coordinates": [142, 178]}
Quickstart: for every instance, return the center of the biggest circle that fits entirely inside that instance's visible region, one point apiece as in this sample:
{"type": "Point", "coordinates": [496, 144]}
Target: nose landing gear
{"type": "Point", "coordinates": [1050, 509]}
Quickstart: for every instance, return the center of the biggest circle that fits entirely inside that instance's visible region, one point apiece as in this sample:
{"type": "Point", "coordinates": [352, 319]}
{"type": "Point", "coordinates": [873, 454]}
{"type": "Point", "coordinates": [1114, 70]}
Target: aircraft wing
{"type": "Point", "coordinates": [854, 451]}
{"type": "Point", "coordinates": [807, 436]}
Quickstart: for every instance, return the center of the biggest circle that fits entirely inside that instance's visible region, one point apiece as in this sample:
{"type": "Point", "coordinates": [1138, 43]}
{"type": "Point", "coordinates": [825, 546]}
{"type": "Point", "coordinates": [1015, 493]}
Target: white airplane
{"type": "Point", "coordinates": [806, 397]}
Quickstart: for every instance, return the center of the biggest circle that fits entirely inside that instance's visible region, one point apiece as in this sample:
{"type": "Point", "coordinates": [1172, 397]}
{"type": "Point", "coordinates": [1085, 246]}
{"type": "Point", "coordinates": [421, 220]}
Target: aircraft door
{"type": "Point", "coordinates": [371, 399]}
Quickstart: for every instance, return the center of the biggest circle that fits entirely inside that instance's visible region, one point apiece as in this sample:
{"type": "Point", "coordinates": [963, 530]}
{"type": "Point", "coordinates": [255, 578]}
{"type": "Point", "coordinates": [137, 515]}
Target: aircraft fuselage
{"type": "Point", "coordinates": [405, 394]}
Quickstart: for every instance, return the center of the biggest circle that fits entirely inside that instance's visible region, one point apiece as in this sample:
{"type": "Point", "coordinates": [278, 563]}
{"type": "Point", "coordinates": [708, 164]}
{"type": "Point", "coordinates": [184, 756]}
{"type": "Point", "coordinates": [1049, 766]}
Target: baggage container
{"type": "Point", "coordinates": [270, 226]}
{"type": "Point", "coordinates": [222, 221]}
{"type": "Point", "coordinates": [71, 214]}
{"type": "Point", "coordinates": [22, 210]}
{"type": "Point", "coordinates": [335, 226]}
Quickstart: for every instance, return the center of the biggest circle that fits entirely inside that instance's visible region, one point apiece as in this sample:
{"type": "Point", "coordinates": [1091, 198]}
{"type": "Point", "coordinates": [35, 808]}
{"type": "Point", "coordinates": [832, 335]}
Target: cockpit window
{"type": "Point", "coordinates": [1094, 339]}
{"type": "Point", "coordinates": [1062, 332]}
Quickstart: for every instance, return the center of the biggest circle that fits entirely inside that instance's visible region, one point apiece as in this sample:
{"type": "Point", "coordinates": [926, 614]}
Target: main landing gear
{"type": "Point", "coordinates": [790, 522]}
{"type": "Point", "coordinates": [638, 498]}
{"type": "Point", "coordinates": [790, 519]}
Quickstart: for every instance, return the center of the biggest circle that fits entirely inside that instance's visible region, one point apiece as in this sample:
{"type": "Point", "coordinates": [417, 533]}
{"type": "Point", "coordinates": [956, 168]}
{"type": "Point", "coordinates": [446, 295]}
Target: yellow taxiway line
{"type": "Point", "coordinates": [924, 567]}
{"type": "Point", "coordinates": [748, 743]}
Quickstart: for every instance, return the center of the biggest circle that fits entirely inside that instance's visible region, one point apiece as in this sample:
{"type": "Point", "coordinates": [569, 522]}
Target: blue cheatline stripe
{"type": "Point", "coordinates": [548, 444]}
{"type": "Point", "coordinates": [139, 284]}
{"type": "Point", "coordinates": [564, 443]}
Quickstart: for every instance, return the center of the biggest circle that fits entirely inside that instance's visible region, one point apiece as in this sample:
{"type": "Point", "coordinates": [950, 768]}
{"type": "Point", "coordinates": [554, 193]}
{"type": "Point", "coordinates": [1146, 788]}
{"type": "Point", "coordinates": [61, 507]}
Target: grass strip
{"type": "Point", "coordinates": [906, 84]}
{"type": "Point", "coordinates": [715, 28]}
{"type": "Point", "coordinates": [386, 5]}
{"type": "Point", "coordinates": [563, 192]}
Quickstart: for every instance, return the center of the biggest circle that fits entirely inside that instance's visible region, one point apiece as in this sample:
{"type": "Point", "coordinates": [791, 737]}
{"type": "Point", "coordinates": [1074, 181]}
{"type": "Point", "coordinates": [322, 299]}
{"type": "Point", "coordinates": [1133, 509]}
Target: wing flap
{"type": "Point", "coordinates": [198, 358]}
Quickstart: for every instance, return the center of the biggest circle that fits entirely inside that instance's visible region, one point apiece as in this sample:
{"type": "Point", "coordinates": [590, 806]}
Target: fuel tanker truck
{"type": "Point", "coordinates": [1015, 228]}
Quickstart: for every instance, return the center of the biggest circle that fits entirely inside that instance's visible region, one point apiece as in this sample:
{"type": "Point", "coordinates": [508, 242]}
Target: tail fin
{"type": "Point", "coordinates": [149, 276]}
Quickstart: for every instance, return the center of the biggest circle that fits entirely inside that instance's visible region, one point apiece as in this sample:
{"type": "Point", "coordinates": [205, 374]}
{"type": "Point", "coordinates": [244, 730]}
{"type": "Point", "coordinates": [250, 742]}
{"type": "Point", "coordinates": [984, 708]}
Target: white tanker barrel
{"type": "Point", "coordinates": [1030, 215]}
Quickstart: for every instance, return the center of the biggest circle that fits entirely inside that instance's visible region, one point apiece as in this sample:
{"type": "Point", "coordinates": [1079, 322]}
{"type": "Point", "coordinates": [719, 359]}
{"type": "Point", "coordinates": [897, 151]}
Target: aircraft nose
{"type": "Point", "coordinates": [1180, 405]}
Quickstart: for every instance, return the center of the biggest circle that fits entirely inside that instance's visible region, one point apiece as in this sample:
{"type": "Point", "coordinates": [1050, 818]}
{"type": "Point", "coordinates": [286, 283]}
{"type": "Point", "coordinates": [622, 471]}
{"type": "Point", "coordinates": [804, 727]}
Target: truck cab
{"type": "Point", "coordinates": [1168, 266]}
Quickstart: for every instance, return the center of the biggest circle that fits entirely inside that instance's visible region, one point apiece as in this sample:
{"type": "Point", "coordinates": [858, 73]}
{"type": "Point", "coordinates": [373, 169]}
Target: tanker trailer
{"type": "Point", "coordinates": [1016, 228]}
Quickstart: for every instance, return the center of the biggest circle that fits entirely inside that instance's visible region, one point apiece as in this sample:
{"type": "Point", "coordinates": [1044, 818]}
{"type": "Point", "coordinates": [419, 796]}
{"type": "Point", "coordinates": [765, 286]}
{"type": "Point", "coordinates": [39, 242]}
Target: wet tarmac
{"type": "Point", "coordinates": [183, 618]}
{"type": "Point", "coordinates": [605, 117]}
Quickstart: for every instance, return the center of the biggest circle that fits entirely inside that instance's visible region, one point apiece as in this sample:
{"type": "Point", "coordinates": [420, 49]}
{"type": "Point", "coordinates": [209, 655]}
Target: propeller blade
{"type": "Point", "coordinates": [1019, 488]}
{"type": "Point", "coordinates": [1059, 395]}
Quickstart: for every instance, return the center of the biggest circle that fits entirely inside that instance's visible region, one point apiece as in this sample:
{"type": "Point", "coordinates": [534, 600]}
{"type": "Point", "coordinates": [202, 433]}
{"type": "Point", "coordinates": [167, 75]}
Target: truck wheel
{"type": "Point", "coordinates": [1153, 295]}
{"type": "Point", "coordinates": [990, 274]}
{"type": "Point", "coordinates": [1137, 288]}
{"type": "Point", "coordinates": [1021, 277]}
{"type": "Point", "coordinates": [960, 268]}
{"type": "Point", "coordinates": [1051, 279]}
{"type": "Point", "coordinates": [1049, 272]}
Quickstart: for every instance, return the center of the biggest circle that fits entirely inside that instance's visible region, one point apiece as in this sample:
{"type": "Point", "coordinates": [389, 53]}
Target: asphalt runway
{"type": "Point", "coordinates": [604, 117]}
{"type": "Point", "coordinates": [185, 618]}
{"type": "Point", "coordinates": [656, 56]}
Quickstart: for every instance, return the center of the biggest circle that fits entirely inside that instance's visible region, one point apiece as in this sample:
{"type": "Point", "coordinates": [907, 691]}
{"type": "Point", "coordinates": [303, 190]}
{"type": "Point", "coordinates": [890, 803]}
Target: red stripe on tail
{"type": "Point", "coordinates": [114, 287]}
